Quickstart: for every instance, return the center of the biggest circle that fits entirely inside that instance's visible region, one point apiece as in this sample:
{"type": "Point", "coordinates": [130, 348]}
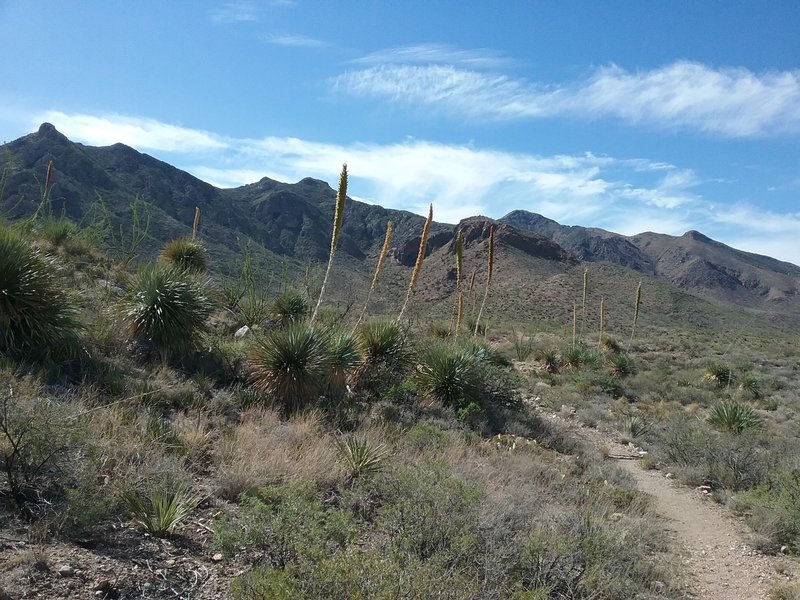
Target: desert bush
{"type": "Point", "coordinates": [634, 427]}
{"type": "Point", "coordinates": [185, 254]}
{"type": "Point", "coordinates": [39, 443]}
{"type": "Point", "coordinates": [290, 306]}
{"type": "Point", "coordinates": [523, 347]}
{"type": "Point", "coordinates": [288, 523]}
{"type": "Point", "coordinates": [168, 308]}
{"type": "Point", "coordinates": [620, 365]}
{"type": "Point", "coordinates": [385, 342]}
{"type": "Point", "coordinates": [733, 416]}
{"type": "Point", "coordinates": [550, 359]}
{"type": "Point", "coordinates": [578, 355]}
{"type": "Point", "coordinates": [291, 365]}
{"type": "Point", "coordinates": [774, 508]}
{"type": "Point", "coordinates": [750, 385]}
{"type": "Point", "coordinates": [38, 317]}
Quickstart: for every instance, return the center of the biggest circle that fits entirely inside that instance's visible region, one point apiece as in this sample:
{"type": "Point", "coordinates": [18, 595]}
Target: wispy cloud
{"type": "Point", "coordinates": [237, 11]}
{"type": "Point", "coordinates": [623, 195]}
{"type": "Point", "coordinates": [141, 133]}
{"type": "Point", "coordinates": [294, 40]}
{"type": "Point", "coordinates": [730, 102]}
{"type": "Point", "coordinates": [436, 54]}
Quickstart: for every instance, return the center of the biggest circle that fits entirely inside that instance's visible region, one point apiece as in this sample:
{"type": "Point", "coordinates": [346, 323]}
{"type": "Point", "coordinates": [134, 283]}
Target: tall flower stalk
{"type": "Point", "coordinates": [423, 245]}
{"type": "Point", "coordinates": [459, 284]}
{"type": "Point", "coordinates": [602, 317]}
{"type": "Point", "coordinates": [636, 305]}
{"type": "Point", "coordinates": [196, 222]}
{"type": "Point", "coordinates": [387, 240]}
{"type": "Point", "coordinates": [583, 306]}
{"type": "Point", "coordinates": [338, 218]}
{"type": "Point", "coordinates": [489, 270]}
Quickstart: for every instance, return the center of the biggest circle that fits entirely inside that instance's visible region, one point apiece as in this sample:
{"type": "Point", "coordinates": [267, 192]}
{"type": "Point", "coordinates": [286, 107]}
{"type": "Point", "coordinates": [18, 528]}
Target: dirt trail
{"type": "Point", "coordinates": [709, 541]}
{"type": "Point", "coordinates": [707, 537]}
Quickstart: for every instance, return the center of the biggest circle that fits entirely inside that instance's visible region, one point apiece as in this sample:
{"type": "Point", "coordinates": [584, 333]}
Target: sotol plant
{"type": "Point", "coordinates": [186, 254]}
{"type": "Point", "coordinates": [38, 318]}
{"type": "Point", "coordinates": [162, 509]}
{"type": "Point", "coordinates": [168, 308]}
{"type": "Point", "coordinates": [733, 416]}
{"type": "Point", "coordinates": [448, 374]}
{"type": "Point", "coordinates": [291, 365]}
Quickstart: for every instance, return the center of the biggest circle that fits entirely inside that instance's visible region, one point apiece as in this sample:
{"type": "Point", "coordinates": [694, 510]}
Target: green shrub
{"type": "Point", "coordinates": [719, 374]}
{"type": "Point", "coordinates": [774, 508]}
{"type": "Point", "coordinates": [162, 509]}
{"type": "Point", "coordinates": [733, 416]}
{"type": "Point", "coordinates": [291, 365]}
{"type": "Point", "coordinates": [621, 365]}
{"type": "Point", "coordinates": [448, 374]}
{"type": "Point", "coordinates": [38, 317]}
{"type": "Point", "coordinates": [751, 385]}
{"type": "Point", "coordinates": [385, 342]}
{"type": "Point", "coordinates": [185, 254]}
{"type": "Point", "coordinates": [549, 358]}
{"type": "Point", "coordinates": [168, 308]}
{"type": "Point", "coordinates": [289, 307]}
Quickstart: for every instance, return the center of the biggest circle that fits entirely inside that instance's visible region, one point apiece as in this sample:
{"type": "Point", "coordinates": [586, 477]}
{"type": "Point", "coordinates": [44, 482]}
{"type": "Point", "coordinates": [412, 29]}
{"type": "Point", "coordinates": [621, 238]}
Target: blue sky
{"type": "Point", "coordinates": [628, 115]}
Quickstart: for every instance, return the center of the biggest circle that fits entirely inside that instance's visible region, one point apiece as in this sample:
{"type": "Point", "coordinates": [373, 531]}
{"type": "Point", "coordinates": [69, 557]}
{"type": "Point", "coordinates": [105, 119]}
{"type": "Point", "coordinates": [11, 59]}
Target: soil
{"type": "Point", "coordinates": [709, 539]}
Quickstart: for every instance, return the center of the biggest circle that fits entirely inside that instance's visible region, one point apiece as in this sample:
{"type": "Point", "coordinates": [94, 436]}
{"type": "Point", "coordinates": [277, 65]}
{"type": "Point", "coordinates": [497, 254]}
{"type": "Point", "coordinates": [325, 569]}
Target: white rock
{"type": "Point", "coordinates": [241, 332]}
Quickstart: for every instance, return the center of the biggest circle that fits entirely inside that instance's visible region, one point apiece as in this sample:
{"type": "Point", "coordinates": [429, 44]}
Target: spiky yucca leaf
{"type": "Point", "coordinates": [291, 364]}
{"type": "Point", "coordinates": [344, 357]}
{"type": "Point", "coordinates": [387, 241]}
{"type": "Point", "coordinates": [289, 307]}
{"type": "Point", "coordinates": [423, 245]}
{"type": "Point", "coordinates": [162, 510]}
{"type": "Point", "coordinates": [185, 253]}
{"type": "Point", "coordinates": [38, 318]}
{"type": "Point", "coordinates": [360, 456]}
{"type": "Point", "coordinates": [338, 219]}
{"type": "Point", "coordinates": [384, 342]}
{"type": "Point", "coordinates": [168, 308]}
{"type": "Point", "coordinates": [448, 374]}
{"type": "Point", "coordinates": [733, 416]}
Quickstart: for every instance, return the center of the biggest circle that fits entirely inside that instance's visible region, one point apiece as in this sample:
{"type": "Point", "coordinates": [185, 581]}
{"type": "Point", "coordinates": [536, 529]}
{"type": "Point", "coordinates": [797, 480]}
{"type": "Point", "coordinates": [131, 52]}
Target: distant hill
{"type": "Point", "coordinates": [539, 262]}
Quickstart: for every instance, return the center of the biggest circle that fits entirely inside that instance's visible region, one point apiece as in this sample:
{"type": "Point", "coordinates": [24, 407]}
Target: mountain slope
{"type": "Point", "coordinates": [692, 262]}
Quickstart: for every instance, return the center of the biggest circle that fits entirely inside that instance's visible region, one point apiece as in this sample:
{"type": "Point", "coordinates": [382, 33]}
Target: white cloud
{"type": "Point", "coordinates": [731, 102]}
{"type": "Point", "coordinates": [294, 40]}
{"type": "Point", "coordinates": [435, 53]}
{"type": "Point", "coordinates": [140, 133]}
{"type": "Point", "coordinates": [236, 12]}
{"type": "Point", "coordinates": [623, 195]}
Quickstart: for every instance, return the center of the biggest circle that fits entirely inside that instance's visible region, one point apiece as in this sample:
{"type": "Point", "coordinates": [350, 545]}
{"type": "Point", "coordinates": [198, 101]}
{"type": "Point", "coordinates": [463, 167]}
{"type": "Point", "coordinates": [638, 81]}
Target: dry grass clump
{"type": "Point", "coordinates": [263, 449]}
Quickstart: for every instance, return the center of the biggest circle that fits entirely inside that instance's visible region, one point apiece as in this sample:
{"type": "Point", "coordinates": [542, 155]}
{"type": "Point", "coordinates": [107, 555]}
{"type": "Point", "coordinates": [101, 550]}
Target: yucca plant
{"type": "Point", "coordinates": [38, 317]}
{"type": "Point", "coordinates": [387, 242]}
{"type": "Point", "coordinates": [423, 245]}
{"type": "Point", "coordinates": [550, 359]}
{"type": "Point", "coordinates": [168, 308]}
{"type": "Point", "coordinates": [620, 365]}
{"type": "Point", "coordinates": [289, 307]}
{"type": "Point", "coordinates": [635, 427]}
{"type": "Point", "coordinates": [751, 385]}
{"type": "Point", "coordinates": [575, 357]}
{"type": "Point", "coordinates": [448, 374]}
{"type": "Point", "coordinates": [384, 342]}
{"type": "Point", "coordinates": [719, 374]}
{"type": "Point", "coordinates": [344, 359]}
{"type": "Point", "coordinates": [360, 456]}
{"type": "Point", "coordinates": [338, 219]}
{"type": "Point", "coordinates": [186, 254]}
{"type": "Point", "coordinates": [291, 365]}
{"type": "Point", "coordinates": [733, 416]}
{"type": "Point", "coordinates": [489, 272]}
{"type": "Point", "coordinates": [162, 509]}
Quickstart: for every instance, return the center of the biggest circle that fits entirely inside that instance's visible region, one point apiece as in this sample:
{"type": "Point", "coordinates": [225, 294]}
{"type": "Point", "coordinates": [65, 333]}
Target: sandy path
{"type": "Point", "coordinates": [707, 537]}
{"type": "Point", "coordinates": [709, 541]}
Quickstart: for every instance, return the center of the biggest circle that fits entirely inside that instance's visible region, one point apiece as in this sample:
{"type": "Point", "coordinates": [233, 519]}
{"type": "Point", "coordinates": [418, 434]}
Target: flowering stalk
{"type": "Point", "coordinates": [387, 240]}
{"type": "Point", "coordinates": [423, 244]}
{"type": "Point", "coordinates": [338, 218]}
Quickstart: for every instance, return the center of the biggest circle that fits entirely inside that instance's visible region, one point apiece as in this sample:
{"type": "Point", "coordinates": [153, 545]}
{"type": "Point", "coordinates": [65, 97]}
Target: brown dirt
{"type": "Point", "coordinates": [710, 541]}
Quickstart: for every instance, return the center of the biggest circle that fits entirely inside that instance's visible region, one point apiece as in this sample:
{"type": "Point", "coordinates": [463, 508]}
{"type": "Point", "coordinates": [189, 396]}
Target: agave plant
{"type": "Point", "coordinates": [186, 254]}
{"type": "Point", "coordinates": [169, 309]}
{"type": "Point", "coordinates": [635, 427]}
{"type": "Point", "coordinates": [291, 365]}
{"type": "Point", "coordinates": [448, 374]}
{"type": "Point", "coordinates": [733, 416]}
{"type": "Point", "coordinates": [162, 509]}
{"type": "Point", "coordinates": [38, 318]}
{"type": "Point", "coordinates": [360, 456]}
